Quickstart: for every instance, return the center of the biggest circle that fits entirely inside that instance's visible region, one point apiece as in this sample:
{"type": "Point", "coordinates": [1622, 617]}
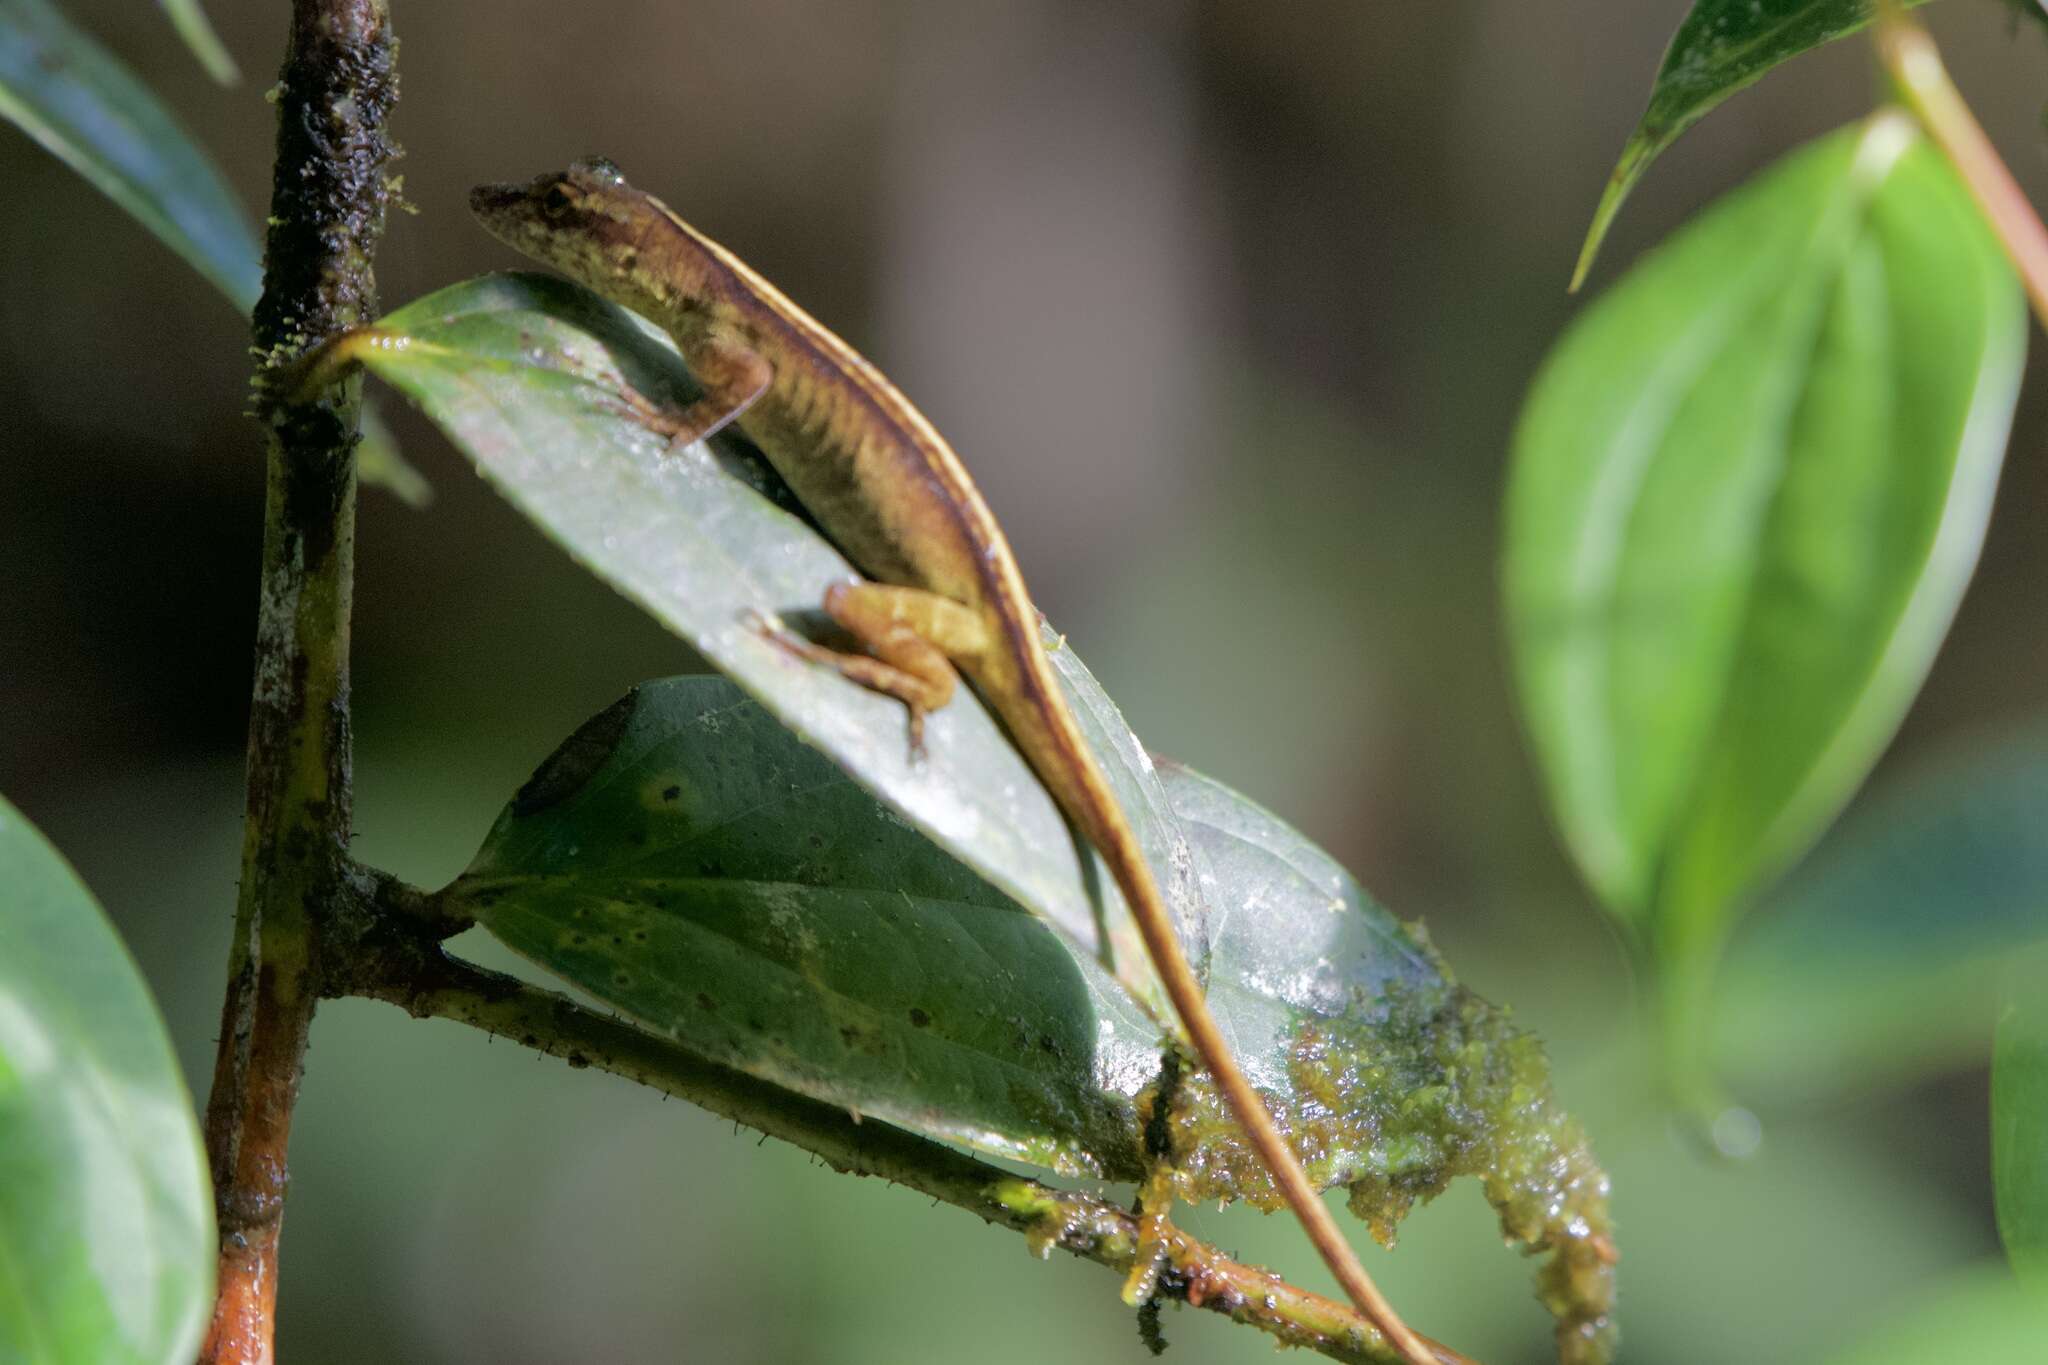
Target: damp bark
{"type": "Point", "coordinates": [327, 211]}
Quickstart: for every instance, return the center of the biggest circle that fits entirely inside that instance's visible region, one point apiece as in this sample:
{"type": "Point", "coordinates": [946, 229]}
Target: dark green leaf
{"type": "Point", "coordinates": [72, 96]}
{"type": "Point", "coordinates": [686, 860]}
{"type": "Point", "coordinates": [1722, 46]}
{"type": "Point", "coordinates": [1748, 490]}
{"type": "Point", "coordinates": [2019, 1115]}
{"type": "Point", "coordinates": [1881, 955]}
{"type": "Point", "coordinates": [191, 22]}
{"type": "Point", "coordinates": [530, 377]}
{"type": "Point", "coordinates": [106, 1220]}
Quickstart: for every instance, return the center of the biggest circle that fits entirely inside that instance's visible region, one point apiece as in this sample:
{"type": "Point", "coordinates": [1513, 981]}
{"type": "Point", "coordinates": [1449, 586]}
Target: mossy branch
{"type": "Point", "coordinates": [327, 211]}
{"type": "Point", "coordinates": [400, 961]}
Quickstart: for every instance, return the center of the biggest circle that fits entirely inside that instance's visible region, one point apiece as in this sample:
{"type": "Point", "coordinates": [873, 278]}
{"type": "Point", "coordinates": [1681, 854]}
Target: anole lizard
{"type": "Point", "coordinates": [943, 588]}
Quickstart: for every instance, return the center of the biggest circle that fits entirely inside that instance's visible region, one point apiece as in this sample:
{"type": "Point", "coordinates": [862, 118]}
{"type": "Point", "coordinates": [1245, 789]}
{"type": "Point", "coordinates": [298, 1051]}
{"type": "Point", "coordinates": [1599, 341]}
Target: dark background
{"type": "Point", "coordinates": [1230, 307]}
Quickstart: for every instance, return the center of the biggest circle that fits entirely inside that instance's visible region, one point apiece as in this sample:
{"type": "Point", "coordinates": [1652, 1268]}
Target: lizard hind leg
{"type": "Point", "coordinates": [911, 635]}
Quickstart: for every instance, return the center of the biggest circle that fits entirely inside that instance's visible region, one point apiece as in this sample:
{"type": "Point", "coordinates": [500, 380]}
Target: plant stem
{"type": "Point", "coordinates": [1909, 54]}
{"type": "Point", "coordinates": [421, 979]}
{"type": "Point", "coordinates": [327, 209]}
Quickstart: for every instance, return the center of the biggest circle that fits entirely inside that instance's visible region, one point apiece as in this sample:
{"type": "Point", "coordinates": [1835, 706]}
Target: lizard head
{"type": "Point", "coordinates": [578, 220]}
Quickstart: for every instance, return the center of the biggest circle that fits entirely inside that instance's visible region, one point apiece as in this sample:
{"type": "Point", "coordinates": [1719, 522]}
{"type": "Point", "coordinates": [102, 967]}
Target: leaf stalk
{"type": "Point", "coordinates": [1914, 64]}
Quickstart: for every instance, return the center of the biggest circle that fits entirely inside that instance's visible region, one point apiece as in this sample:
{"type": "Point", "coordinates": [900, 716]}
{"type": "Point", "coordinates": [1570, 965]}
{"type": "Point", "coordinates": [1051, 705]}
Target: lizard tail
{"type": "Point", "coordinates": [1052, 739]}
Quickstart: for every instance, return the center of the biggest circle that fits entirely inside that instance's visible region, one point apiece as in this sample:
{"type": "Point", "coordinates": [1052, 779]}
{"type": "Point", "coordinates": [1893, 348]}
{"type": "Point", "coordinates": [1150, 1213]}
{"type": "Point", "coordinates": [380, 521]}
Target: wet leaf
{"type": "Point", "coordinates": [2019, 1114]}
{"type": "Point", "coordinates": [106, 1218]}
{"type": "Point", "coordinates": [533, 379]}
{"type": "Point", "coordinates": [1882, 953]}
{"type": "Point", "coordinates": [72, 96]}
{"type": "Point", "coordinates": [192, 25]}
{"type": "Point", "coordinates": [1387, 1076]}
{"type": "Point", "coordinates": [684, 859]}
{"type": "Point", "coordinates": [1748, 490]}
{"type": "Point", "coordinates": [1721, 47]}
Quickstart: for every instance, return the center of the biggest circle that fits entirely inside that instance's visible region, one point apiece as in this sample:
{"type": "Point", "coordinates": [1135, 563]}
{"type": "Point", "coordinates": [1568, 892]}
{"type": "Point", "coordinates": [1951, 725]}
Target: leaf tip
{"type": "Point", "coordinates": [199, 36]}
{"type": "Point", "coordinates": [1642, 148]}
{"type": "Point", "coordinates": [569, 768]}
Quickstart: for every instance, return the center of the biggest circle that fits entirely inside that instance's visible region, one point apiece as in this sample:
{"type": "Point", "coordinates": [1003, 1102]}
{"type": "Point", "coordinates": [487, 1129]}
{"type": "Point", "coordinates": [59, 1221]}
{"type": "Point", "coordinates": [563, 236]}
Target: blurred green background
{"type": "Point", "coordinates": [1230, 307]}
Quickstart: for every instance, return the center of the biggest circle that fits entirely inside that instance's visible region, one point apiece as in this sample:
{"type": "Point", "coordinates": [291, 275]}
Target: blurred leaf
{"type": "Point", "coordinates": [380, 463]}
{"type": "Point", "coordinates": [1985, 1315]}
{"type": "Point", "coordinates": [191, 22]}
{"type": "Point", "coordinates": [530, 377]}
{"type": "Point", "coordinates": [1722, 46]}
{"type": "Point", "coordinates": [2034, 10]}
{"type": "Point", "coordinates": [2019, 1117]}
{"type": "Point", "coordinates": [106, 1221]}
{"type": "Point", "coordinates": [1881, 955]}
{"type": "Point", "coordinates": [72, 96]}
{"type": "Point", "coordinates": [84, 106]}
{"type": "Point", "coordinates": [1749, 488]}
{"type": "Point", "coordinates": [686, 860]}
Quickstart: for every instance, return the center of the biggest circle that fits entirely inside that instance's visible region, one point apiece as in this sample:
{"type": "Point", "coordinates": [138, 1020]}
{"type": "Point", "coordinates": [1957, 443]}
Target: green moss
{"type": "Point", "coordinates": [1399, 1098]}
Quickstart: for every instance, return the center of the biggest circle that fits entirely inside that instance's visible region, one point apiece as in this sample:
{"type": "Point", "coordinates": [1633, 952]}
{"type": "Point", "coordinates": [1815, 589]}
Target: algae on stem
{"type": "Point", "coordinates": [1396, 1098]}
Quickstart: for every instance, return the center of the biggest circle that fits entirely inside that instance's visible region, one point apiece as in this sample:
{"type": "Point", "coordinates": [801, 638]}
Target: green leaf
{"type": "Point", "coordinates": [2019, 1116]}
{"type": "Point", "coordinates": [106, 1220]}
{"type": "Point", "coordinates": [1748, 490]}
{"type": "Point", "coordinates": [1981, 1315]}
{"type": "Point", "coordinates": [1722, 46]}
{"type": "Point", "coordinates": [380, 463]}
{"type": "Point", "coordinates": [537, 381]}
{"type": "Point", "coordinates": [1882, 953]}
{"type": "Point", "coordinates": [192, 25]}
{"type": "Point", "coordinates": [686, 860]}
{"type": "Point", "coordinates": [73, 97]}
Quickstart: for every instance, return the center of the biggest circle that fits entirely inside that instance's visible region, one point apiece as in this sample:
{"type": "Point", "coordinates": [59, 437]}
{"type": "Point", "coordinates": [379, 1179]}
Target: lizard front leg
{"type": "Point", "coordinates": [733, 376]}
{"type": "Point", "coordinates": [912, 637]}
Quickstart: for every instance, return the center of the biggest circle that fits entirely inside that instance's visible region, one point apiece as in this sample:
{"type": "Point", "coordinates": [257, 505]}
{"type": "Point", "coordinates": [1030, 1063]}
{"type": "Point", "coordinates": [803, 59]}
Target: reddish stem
{"type": "Point", "coordinates": [1916, 67]}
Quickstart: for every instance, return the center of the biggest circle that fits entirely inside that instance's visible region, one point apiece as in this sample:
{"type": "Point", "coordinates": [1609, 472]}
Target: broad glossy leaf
{"type": "Point", "coordinates": [528, 375]}
{"type": "Point", "coordinates": [2019, 1116]}
{"type": "Point", "coordinates": [1881, 957]}
{"type": "Point", "coordinates": [192, 25]}
{"type": "Point", "coordinates": [1722, 46]}
{"type": "Point", "coordinates": [687, 861]}
{"type": "Point", "coordinates": [1748, 490]}
{"type": "Point", "coordinates": [106, 1219]}
{"type": "Point", "coordinates": [71, 95]}
{"type": "Point", "coordinates": [1982, 1315]}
